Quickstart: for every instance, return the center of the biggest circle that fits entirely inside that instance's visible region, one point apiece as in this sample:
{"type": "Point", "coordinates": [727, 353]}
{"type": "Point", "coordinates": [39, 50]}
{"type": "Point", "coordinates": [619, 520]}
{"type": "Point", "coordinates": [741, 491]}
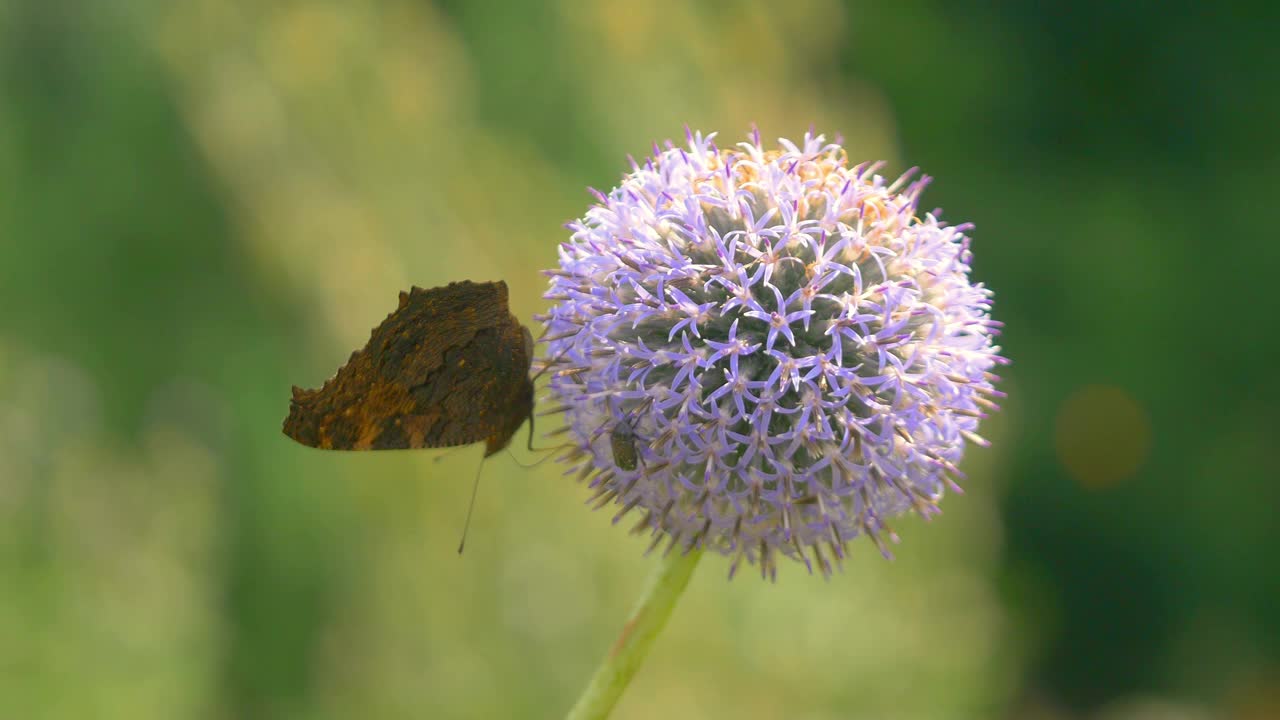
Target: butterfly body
{"type": "Point", "coordinates": [449, 367]}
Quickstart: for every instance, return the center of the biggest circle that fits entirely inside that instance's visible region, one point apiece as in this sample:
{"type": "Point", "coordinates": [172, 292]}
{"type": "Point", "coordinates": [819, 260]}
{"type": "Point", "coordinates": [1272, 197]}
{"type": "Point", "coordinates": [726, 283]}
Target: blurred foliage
{"type": "Point", "coordinates": [204, 202]}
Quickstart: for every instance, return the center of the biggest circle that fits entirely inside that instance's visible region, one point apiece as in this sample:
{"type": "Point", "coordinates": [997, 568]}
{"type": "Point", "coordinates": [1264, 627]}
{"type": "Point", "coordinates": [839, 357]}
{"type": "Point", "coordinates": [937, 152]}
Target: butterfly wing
{"type": "Point", "coordinates": [435, 373]}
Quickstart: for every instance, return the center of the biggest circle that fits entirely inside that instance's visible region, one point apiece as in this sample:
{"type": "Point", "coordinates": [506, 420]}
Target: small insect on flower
{"type": "Point", "coordinates": [623, 443]}
{"type": "Point", "coordinates": [622, 440]}
{"type": "Point", "coordinates": [768, 351]}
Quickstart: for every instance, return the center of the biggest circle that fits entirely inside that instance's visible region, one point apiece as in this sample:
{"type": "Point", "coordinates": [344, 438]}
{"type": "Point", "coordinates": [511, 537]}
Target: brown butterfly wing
{"type": "Point", "coordinates": [449, 367]}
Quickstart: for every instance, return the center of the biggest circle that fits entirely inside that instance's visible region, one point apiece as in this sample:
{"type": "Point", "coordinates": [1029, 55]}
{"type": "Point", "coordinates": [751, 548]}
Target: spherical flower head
{"type": "Point", "coordinates": [766, 351]}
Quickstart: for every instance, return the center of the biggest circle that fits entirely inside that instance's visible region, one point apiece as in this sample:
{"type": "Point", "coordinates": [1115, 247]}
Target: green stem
{"type": "Point", "coordinates": [647, 620]}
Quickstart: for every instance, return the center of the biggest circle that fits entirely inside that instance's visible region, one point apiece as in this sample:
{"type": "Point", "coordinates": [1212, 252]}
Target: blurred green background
{"type": "Point", "coordinates": [204, 202]}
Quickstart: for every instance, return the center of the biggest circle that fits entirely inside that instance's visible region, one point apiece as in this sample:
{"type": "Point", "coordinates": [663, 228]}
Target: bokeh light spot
{"type": "Point", "coordinates": [1102, 436]}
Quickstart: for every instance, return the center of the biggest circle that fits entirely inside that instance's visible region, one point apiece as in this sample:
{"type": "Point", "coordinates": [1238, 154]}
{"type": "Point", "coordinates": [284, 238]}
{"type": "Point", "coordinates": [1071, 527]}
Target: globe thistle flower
{"type": "Point", "coordinates": [767, 351]}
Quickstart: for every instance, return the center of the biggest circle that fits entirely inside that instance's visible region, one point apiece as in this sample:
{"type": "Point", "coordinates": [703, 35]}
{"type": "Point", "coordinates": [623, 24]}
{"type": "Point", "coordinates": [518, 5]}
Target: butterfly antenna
{"type": "Point", "coordinates": [471, 506]}
{"type": "Point", "coordinates": [531, 445]}
{"type": "Point", "coordinates": [537, 463]}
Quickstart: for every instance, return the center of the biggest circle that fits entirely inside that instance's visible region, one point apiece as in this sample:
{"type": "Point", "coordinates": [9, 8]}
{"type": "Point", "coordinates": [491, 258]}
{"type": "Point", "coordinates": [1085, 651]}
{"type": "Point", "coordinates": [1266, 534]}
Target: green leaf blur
{"type": "Point", "coordinates": [204, 202]}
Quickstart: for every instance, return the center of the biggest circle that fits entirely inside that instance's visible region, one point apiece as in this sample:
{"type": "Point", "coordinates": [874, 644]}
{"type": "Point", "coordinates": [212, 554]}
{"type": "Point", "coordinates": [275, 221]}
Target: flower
{"type": "Point", "coordinates": [766, 351]}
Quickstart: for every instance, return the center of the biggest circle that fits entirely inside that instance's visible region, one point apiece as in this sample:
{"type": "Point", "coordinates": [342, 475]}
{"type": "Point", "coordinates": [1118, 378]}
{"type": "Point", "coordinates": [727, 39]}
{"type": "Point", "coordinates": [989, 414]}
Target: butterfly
{"type": "Point", "coordinates": [449, 367]}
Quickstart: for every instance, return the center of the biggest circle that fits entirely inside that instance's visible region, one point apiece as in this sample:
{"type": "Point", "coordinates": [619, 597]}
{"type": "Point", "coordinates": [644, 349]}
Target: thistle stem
{"type": "Point", "coordinates": [661, 592]}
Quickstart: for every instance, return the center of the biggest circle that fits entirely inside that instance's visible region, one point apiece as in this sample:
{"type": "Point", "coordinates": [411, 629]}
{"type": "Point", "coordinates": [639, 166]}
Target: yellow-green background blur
{"type": "Point", "coordinates": [203, 202]}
